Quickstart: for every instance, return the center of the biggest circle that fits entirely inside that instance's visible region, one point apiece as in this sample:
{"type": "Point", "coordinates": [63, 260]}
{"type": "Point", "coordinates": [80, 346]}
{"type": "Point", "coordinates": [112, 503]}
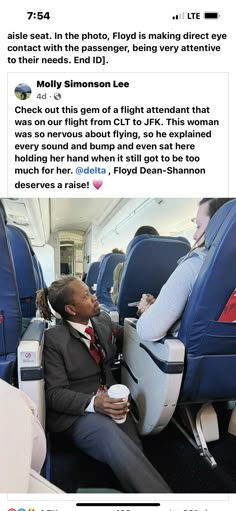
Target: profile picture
{"type": "Point", "coordinates": [23, 91]}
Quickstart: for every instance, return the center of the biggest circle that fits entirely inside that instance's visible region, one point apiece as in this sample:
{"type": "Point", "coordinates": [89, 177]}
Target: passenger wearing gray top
{"type": "Point", "coordinates": [161, 315]}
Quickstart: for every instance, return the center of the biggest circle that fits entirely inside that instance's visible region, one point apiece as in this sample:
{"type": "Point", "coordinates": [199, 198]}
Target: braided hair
{"type": "Point", "coordinates": [58, 294]}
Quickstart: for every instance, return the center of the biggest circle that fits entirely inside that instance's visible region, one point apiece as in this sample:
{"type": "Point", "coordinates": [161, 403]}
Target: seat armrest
{"type": "Point", "coordinates": [153, 372]}
{"type": "Point", "coordinates": [30, 365]}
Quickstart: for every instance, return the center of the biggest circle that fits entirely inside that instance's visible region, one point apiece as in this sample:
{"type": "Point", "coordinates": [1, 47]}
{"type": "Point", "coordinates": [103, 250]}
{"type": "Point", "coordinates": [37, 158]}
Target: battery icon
{"type": "Point", "coordinates": [211, 15]}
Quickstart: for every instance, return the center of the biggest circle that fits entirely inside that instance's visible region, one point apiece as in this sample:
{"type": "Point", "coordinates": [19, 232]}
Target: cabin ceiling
{"type": "Point", "coordinates": [41, 217]}
{"type": "Point", "coordinates": [79, 214]}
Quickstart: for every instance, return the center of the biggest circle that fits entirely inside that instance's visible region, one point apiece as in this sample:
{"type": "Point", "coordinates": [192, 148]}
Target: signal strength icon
{"type": "Point", "coordinates": [179, 16]}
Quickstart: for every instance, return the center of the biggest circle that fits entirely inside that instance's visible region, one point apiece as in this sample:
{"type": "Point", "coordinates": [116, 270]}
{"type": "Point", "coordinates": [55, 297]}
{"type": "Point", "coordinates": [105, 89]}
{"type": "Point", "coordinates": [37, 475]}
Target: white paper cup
{"type": "Point", "coordinates": [119, 391]}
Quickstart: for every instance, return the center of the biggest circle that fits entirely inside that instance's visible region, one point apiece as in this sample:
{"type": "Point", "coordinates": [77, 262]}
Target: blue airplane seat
{"type": "Point", "coordinates": [141, 237]}
{"type": "Point", "coordinates": [197, 368]}
{"type": "Point", "coordinates": [37, 266]}
{"type": "Point", "coordinates": [39, 271]}
{"type": "Point", "coordinates": [10, 310]}
{"type": "Point", "coordinates": [136, 240]}
{"type": "Point", "coordinates": [105, 278]}
{"type": "Point", "coordinates": [28, 279]}
{"type": "Point", "coordinates": [92, 276]}
{"type": "Point", "coordinates": [149, 262]}
{"type": "Point", "coordinates": [211, 345]}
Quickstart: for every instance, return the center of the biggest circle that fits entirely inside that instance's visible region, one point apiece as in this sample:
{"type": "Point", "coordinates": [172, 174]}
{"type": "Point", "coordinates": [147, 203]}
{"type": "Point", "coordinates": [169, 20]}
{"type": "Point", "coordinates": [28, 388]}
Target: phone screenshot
{"type": "Point", "coordinates": [117, 256]}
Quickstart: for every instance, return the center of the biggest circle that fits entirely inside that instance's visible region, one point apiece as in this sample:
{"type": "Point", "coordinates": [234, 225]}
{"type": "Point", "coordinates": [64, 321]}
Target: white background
{"type": "Point", "coordinates": [129, 16]}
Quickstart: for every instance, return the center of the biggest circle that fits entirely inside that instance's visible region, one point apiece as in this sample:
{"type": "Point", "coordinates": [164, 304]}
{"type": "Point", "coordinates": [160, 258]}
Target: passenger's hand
{"type": "Point", "coordinates": [116, 408]}
{"type": "Point", "coordinates": [145, 303]}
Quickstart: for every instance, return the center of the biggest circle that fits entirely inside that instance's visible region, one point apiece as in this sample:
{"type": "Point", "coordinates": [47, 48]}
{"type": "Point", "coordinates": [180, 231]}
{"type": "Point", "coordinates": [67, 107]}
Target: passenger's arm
{"type": "Point", "coordinates": [59, 396]}
{"type": "Point", "coordinates": [146, 301]}
{"type": "Point", "coordinates": [171, 301]}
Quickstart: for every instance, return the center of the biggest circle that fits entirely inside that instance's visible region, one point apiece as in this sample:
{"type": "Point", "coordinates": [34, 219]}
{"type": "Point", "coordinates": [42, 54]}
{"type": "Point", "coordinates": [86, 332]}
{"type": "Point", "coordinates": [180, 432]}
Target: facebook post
{"type": "Point", "coordinates": [117, 256]}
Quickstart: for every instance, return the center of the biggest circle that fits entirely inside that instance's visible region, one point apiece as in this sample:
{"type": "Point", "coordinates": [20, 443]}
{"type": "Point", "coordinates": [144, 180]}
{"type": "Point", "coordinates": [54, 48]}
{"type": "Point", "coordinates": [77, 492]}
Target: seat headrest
{"type": "Point", "coordinates": [228, 210]}
{"type": "Point", "coordinates": [152, 237]}
{"type": "Point", "coordinates": [25, 236]}
{"type": "Point", "coordinates": [139, 238]}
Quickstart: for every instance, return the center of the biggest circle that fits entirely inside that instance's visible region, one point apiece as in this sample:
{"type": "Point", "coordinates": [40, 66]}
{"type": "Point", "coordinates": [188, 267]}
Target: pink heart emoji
{"type": "Point", "coordinates": [97, 184]}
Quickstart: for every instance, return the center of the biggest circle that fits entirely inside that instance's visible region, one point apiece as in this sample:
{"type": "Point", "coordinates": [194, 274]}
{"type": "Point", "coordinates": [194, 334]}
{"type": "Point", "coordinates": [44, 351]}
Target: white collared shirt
{"type": "Point", "coordinates": [81, 329]}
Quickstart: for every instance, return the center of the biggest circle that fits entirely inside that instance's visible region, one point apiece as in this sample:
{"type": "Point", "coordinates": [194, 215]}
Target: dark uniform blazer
{"type": "Point", "coordinates": [72, 376]}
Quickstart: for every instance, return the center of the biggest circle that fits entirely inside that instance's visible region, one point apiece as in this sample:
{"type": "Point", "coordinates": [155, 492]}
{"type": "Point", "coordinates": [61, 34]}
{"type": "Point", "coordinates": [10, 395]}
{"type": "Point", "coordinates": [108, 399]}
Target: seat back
{"type": "Point", "coordinates": [92, 275]}
{"type": "Point", "coordinates": [211, 345]}
{"type": "Point", "coordinates": [149, 262]}
{"type": "Point", "coordinates": [23, 445]}
{"type": "Point", "coordinates": [39, 272]}
{"type": "Point", "coordinates": [10, 310]}
{"type": "Point", "coordinates": [105, 277]}
{"type": "Point", "coordinates": [28, 276]}
{"type": "Point", "coordinates": [37, 266]}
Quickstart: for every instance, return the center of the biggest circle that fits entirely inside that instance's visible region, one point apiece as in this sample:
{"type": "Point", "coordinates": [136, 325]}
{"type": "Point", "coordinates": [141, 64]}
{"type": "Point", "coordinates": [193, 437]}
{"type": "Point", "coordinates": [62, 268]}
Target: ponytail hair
{"type": "Point", "coordinates": [55, 298]}
{"type": "Point", "coordinates": [42, 303]}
